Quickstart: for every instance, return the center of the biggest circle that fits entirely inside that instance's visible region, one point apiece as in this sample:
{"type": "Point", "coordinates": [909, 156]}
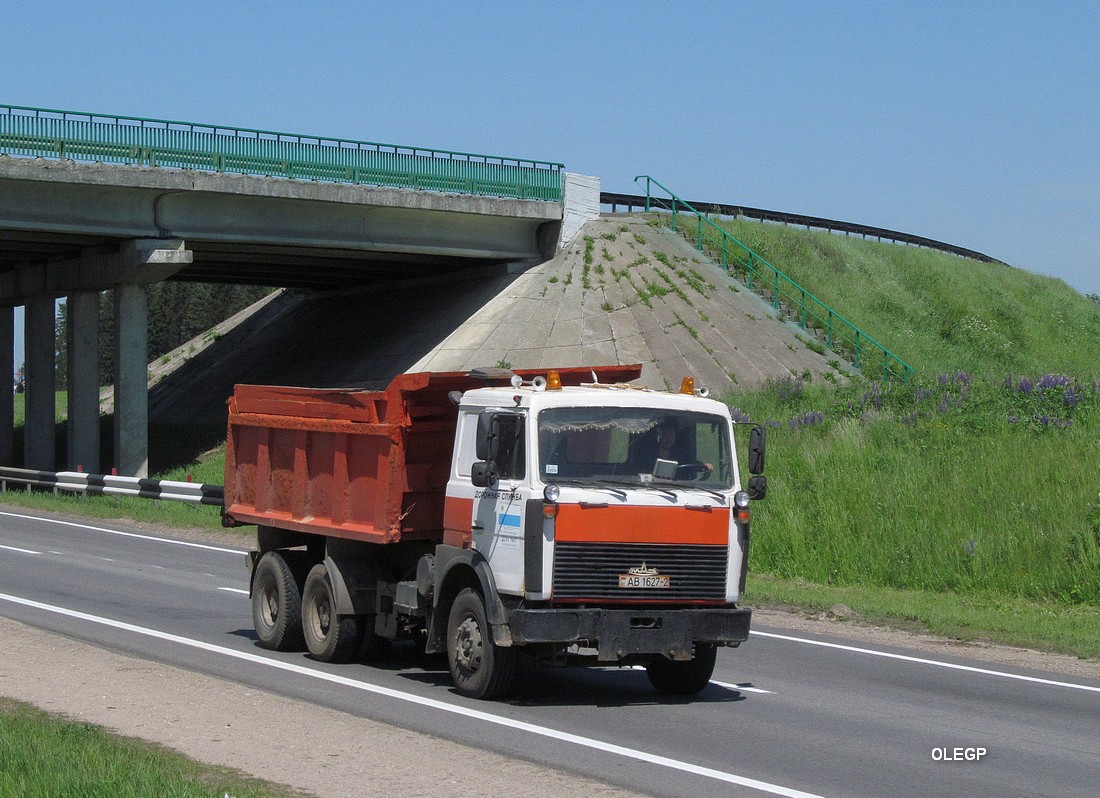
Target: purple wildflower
{"type": "Point", "coordinates": [1052, 381]}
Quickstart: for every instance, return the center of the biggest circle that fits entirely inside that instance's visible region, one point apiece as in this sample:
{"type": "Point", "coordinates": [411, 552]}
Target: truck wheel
{"type": "Point", "coordinates": [479, 667]}
{"type": "Point", "coordinates": [683, 678]}
{"type": "Point", "coordinates": [276, 604]}
{"type": "Point", "coordinates": [329, 637]}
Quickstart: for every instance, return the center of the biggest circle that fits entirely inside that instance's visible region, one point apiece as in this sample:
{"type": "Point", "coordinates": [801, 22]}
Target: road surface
{"type": "Point", "coordinates": [792, 713]}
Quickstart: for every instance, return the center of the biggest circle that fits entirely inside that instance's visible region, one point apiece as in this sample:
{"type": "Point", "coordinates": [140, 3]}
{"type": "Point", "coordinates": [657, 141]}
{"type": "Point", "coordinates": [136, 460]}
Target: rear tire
{"type": "Point", "coordinates": [276, 604]}
{"type": "Point", "coordinates": [675, 677]}
{"type": "Point", "coordinates": [479, 667]}
{"type": "Point", "coordinates": [329, 636]}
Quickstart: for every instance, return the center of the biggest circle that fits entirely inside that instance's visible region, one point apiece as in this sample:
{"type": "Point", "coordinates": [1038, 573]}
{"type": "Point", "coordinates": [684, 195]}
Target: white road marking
{"type": "Point", "coordinates": [233, 590]}
{"type": "Point", "coordinates": [922, 661]}
{"type": "Point", "coordinates": [431, 703]}
{"type": "Point", "coordinates": [744, 688]}
{"type": "Point", "coordinates": [21, 551]}
{"type": "Point", "coordinates": [187, 543]}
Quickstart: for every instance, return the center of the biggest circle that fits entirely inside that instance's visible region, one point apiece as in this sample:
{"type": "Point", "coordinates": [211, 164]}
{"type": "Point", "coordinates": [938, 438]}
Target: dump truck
{"type": "Point", "coordinates": [538, 517]}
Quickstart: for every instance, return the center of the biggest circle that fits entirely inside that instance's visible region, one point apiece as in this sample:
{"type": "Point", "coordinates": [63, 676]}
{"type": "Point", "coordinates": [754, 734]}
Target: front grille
{"type": "Point", "coordinates": [591, 571]}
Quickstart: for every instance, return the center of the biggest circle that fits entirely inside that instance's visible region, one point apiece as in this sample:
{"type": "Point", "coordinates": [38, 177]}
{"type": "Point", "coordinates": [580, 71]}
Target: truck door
{"type": "Point", "coordinates": [498, 511]}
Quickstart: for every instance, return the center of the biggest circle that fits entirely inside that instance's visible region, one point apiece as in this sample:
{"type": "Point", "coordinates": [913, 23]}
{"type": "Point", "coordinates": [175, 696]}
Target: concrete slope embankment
{"type": "Point", "coordinates": [622, 291]}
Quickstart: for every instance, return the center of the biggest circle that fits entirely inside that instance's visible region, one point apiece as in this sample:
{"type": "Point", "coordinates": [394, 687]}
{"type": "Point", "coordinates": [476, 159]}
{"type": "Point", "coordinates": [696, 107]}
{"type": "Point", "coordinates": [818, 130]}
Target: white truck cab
{"type": "Point", "coordinates": [609, 520]}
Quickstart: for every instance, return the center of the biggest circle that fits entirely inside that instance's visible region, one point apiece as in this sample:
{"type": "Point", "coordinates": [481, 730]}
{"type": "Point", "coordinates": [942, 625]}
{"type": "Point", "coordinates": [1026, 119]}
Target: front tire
{"type": "Point", "coordinates": [276, 604]}
{"type": "Point", "coordinates": [675, 677]}
{"type": "Point", "coordinates": [479, 667]}
{"type": "Point", "coordinates": [328, 636]}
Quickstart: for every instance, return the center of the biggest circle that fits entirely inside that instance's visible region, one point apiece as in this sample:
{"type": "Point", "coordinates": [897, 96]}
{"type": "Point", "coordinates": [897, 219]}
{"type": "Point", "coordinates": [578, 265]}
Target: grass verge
{"type": "Point", "coordinates": [42, 756]}
{"type": "Point", "coordinates": [1043, 626]}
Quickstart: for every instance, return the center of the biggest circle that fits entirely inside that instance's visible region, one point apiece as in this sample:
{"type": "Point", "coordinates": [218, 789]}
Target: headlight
{"type": "Point", "coordinates": [741, 500]}
{"type": "Point", "coordinates": [551, 493]}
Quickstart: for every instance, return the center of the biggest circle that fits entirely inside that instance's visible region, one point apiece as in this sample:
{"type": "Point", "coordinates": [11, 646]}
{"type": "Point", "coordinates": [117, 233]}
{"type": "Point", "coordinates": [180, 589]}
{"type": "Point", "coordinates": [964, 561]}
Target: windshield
{"type": "Point", "coordinates": [634, 446]}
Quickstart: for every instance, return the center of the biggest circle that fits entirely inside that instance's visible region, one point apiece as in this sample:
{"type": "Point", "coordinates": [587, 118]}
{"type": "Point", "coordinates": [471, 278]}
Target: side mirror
{"type": "Point", "coordinates": [756, 450]}
{"type": "Point", "coordinates": [488, 437]}
{"type": "Point", "coordinates": [758, 487]}
{"type": "Point", "coordinates": [483, 474]}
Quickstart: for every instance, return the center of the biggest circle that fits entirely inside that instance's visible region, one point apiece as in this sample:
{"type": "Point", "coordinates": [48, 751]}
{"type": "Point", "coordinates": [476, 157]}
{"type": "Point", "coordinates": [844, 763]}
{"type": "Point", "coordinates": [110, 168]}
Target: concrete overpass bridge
{"type": "Point", "coordinates": [90, 203]}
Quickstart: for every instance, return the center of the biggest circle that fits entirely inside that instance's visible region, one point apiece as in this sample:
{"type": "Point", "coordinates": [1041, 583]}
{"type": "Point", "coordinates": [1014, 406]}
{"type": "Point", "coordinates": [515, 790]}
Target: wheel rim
{"type": "Point", "coordinates": [469, 644]}
{"type": "Point", "coordinates": [269, 604]}
{"type": "Point", "coordinates": [321, 616]}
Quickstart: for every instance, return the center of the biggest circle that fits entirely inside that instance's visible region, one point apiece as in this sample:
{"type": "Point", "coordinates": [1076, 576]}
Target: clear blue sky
{"type": "Point", "coordinates": [973, 123]}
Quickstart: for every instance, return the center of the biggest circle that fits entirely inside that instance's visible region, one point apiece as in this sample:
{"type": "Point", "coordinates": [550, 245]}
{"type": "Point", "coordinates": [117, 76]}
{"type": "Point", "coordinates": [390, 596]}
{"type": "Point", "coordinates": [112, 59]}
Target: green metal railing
{"type": "Point", "coordinates": [46, 133]}
{"type": "Point", "coordinates": [785, 294]}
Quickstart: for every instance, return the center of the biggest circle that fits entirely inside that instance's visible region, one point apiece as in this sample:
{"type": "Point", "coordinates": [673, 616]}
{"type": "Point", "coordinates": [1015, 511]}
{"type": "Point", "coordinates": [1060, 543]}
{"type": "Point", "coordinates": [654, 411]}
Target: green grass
{"type": "Point", "coordinates": [934, 310]}
{"type": "Point", "coordinates": [954, 488]}
{"type": "Point", "coordinates": [43, 756]}
{"type": "Point", "coordinates": [1043, 626]}
{"type": "Point", "coordinates": [61, 407]}
{"type": "Point", "coordinates": [962, 485]}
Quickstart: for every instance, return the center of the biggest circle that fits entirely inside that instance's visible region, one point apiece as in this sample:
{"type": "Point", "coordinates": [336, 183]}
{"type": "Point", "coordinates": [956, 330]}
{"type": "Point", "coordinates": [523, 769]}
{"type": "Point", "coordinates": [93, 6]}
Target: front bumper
{"type": "Point", "coordinates": [619, 633]}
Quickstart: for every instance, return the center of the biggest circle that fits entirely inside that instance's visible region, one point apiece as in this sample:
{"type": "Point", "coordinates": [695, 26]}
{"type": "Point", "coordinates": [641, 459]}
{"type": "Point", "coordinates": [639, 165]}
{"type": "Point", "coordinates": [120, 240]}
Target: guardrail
{"type": "Point", "coordinates": [112, 485]}
{"type": "Point", "coordinates": [785, 294]}
{"type": "Point", "coordinates": [632, 201]}
{"type": "Point", "coordinates": [74, 135]}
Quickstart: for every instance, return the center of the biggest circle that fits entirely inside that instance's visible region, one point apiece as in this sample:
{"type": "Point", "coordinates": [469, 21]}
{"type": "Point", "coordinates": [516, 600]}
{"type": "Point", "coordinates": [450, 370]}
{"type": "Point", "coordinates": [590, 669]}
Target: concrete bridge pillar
{"type": "Point", "coordinates": [82, 426]}
{"type": "Point", "coordinates": [131, 433]}
{"type": "Point", "coordinates": [39, 450]}
{"type": "Point", "coordinates": [7, 401]}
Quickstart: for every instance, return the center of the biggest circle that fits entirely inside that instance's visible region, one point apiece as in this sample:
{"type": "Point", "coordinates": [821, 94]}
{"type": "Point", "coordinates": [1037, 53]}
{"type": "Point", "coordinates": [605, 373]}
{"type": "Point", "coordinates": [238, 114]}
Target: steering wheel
{"type": "Point", "coordinates": [696, 470]}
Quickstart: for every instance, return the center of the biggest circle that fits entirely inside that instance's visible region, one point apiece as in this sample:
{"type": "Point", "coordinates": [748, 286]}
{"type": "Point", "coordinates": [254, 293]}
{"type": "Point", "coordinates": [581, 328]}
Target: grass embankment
{"type": "Point", "coordinates": [936, 311]}
{"type": "Point", "coordinates": [967, 500]}
{"type": "Point", "coordinates": [965, 505]}
{"type": "Point", "coordinates": [43, 756]}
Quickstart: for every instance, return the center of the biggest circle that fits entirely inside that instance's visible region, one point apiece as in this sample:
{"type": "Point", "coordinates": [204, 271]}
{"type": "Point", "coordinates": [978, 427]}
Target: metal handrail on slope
{"type": "Point", "coordinates": [73, 135]}
{"type": "Point", "coordinates": [837, 332]}
{"type": "Point", "coordinates": [630, 201]}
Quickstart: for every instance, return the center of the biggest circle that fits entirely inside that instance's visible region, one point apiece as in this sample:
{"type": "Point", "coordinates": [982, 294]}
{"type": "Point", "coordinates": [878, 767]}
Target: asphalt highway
{"type": "Point", "coordinates": [789, 714]}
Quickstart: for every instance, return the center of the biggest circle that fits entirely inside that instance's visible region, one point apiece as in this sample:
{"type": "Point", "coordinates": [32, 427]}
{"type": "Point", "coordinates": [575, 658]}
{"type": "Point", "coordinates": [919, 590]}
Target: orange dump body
{"type": "Point", "coordinates": [364, 465]}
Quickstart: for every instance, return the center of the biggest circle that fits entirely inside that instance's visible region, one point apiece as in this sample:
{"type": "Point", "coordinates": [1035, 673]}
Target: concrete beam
{"type": "Point", "coordinates": [107, 178]}
{"type": "Point", "coordinates": [131, 432]}
{"type": "Point", "coordinates": [137, 261]}
{"type": "Point", "coordinates": [82, 426]}
{"type": "Point", "coordinates": [39, 448]}
{"type": "Point", "coordinates": [54, 207]}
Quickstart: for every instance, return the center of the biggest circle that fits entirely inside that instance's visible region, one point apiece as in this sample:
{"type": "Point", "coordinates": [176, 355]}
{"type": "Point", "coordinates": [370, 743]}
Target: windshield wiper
{"type": "Point", "coordinates": [675, 486]}
{"type": "Point", "coordinates": [594, 483]}
{"type": "Point", "coordinates": [720, 496]}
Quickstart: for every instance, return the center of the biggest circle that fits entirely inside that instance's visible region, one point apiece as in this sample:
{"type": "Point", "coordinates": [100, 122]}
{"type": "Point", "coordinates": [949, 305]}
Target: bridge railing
{"type": "Point", "coordinates": [47, 133]}
{"type": "Point", "coordinates": [785, 295]}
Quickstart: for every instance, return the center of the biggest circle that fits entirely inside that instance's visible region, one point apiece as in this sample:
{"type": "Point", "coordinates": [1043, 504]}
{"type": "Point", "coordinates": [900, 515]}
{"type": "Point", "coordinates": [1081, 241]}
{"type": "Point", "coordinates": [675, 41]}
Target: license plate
{"type": "Point", "coordinates": [636, 581]}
